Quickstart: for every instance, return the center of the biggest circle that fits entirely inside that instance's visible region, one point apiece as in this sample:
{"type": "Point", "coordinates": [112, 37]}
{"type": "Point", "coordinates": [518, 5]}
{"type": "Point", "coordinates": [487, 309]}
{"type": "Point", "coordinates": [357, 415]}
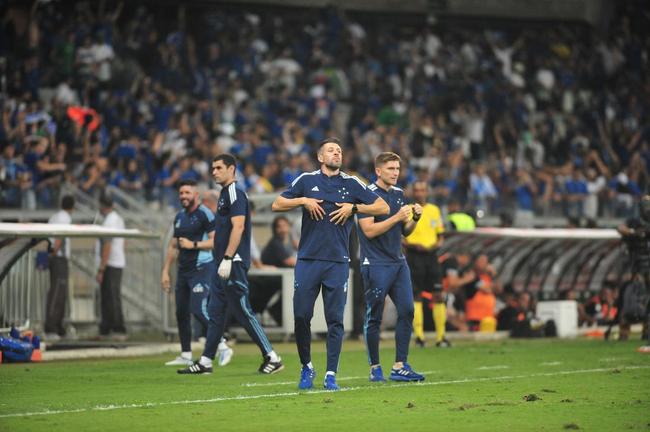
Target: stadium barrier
{"type": "Point", "coordinates": [547, 262]}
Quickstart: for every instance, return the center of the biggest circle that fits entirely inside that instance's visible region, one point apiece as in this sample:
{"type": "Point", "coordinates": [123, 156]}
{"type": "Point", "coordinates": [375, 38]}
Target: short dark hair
{"type": "Point", "coordinates": [384, 157]}
{"type": "Point", "coordinates": [227, 159]}
{"type": "Point", "coordinates": [186, 182]}
{"type": "Point", "coordinates": [67, 202]}
{"type": "Point", "coordinates": [105, 200]}
{"type": "Point", "coordinates": [277, 220]}
{"type": "Point", "coordinates": [329, 140]}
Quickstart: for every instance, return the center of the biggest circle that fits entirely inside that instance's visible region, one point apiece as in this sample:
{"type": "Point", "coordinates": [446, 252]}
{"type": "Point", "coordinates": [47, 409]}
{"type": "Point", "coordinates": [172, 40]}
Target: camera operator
{"type": "Point", "coordinates": [636, 236]}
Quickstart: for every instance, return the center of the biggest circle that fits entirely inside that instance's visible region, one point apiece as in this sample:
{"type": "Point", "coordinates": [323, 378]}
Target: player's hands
{"type": "Point", "coordinates": [417, 211]}
{"type": "Point", "coordinates": [184, 243]}
{"type": "Point", "coordinates": [166, 282]}
{"type": "Point", "coordinates": [404, 214]}
{"type": "Point", "coordinates": [342, 213]}
{"type": "Point", "coordinates": [225, 268]}
{"type": "Point", "coordinates": [312, 205]}
{"type": "Point", "coordinates": [100, 276]}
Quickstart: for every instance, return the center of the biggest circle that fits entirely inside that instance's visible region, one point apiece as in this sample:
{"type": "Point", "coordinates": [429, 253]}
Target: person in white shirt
{"type": "Point", "coordinates": [109, 275]}
{"type": "Point", "coordinates": [58, 263]}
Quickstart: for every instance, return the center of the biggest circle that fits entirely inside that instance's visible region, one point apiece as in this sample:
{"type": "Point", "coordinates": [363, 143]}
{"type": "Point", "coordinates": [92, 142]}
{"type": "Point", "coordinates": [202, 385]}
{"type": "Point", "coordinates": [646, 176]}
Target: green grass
{"type": "Point", "coordinates": [585, 384]}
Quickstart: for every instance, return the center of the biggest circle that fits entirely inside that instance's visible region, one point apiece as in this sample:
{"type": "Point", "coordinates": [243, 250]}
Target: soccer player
{"type": "Point", "coordinates": [328, 197]}
{"type": "Point", "coordinates": [384, 270]}
{"type": "Point", "coordinates": [232, 244]}
{"type": "Point", "coordinates": [192, 243]}
{"type": "Point", "coordinates": [421, 254]}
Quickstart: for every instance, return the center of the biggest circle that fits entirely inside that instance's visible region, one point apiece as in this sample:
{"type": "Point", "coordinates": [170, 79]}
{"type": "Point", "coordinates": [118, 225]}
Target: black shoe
{"type": "Point", "coordinates": [269, 367]}
{"type": "Point", "coordinates": [195, 369]}
{"type": "Point", "coordinates": [444, 343]}
{"type": "Point", "coordinates": [420, 342]}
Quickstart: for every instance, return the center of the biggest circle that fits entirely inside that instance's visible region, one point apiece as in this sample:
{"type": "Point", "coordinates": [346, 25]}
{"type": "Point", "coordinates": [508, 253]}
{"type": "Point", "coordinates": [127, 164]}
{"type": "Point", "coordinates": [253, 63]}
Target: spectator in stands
{"type": "Point", "coordinates": [575, 193]}
{"type": "Point", "coordinates": [112, 261]}
{"type": "Point", "coordinates": [190, 92]}
{"type": "Point", "coordinates": [58, 263]}
{"type": "Point", "coordinates": [13, 177]}
{"type": "Point", "coordinates": [525, 192]}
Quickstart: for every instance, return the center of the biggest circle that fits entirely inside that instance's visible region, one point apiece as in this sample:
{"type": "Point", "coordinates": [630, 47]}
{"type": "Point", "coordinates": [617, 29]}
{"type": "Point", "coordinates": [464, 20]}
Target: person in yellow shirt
{"type": "Point", "coordinates": [422, 258]}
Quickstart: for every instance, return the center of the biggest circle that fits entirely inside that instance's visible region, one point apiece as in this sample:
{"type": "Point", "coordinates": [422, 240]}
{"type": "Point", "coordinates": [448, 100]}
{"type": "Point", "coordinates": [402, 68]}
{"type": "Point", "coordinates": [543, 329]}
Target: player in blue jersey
{"type": "Point", "coordinates": [232, 244]}
{"type": "Point", "coordinates": [384, 270]}
{"type": "Point", "coordinates": [192, 244]}
{"type": "Point", "coordinates": [329, 198]}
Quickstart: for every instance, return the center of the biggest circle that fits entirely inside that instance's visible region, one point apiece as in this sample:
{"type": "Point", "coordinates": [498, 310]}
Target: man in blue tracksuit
{"type": "Point", "coordinates": [232, 251]}
{"type": "Point", "coordinates": [192, 242]}
{"type": "Point", "coordinates": [328, 198]}
{"type": "Point", "coordinates": [384, 270]}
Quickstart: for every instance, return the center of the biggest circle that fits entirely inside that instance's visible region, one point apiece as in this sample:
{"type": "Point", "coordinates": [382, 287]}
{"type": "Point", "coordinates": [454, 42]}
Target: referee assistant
{"type": "Point", "coordinates": [422, 258]}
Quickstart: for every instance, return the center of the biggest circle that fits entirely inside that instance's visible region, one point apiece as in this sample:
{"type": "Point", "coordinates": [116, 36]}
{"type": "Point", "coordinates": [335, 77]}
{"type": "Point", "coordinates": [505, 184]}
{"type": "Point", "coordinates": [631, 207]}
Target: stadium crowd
{"type": "Point", "coordinates": [530, 119]}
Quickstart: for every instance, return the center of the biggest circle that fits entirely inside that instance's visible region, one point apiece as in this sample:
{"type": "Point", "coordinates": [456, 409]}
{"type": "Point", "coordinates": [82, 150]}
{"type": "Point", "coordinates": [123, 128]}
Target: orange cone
{"type": "Point", "coordinates": [37, 355]}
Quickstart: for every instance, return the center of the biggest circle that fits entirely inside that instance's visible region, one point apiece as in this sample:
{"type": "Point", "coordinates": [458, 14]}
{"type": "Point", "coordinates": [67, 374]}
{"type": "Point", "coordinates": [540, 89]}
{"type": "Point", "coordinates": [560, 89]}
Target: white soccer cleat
{"type": "Point", "coordinates": [225, 355]}
{"type": "Point", "coordinates": [180, 361]}
{"type": "Point", "coordinates": [645, 349]}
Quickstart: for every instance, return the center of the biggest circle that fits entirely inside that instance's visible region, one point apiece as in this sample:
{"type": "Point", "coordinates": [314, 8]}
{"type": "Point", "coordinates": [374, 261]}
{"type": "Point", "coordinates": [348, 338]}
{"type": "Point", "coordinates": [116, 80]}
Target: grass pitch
{"type": "Point", "coordinates": [541, 385]}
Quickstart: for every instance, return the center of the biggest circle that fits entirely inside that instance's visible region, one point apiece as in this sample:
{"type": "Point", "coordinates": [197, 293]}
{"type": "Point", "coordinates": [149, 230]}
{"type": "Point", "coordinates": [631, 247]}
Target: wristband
{"type": "Point", "coordinates": [195, 245]}
{"type": "Point", "coordinates": [227, 257]}
{"type": "Point", "coordinates": [355, 209]}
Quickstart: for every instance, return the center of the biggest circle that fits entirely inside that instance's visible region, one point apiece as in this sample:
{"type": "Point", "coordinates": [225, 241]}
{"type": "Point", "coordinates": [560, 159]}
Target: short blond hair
{"type": "Point", "coordinates": [384, 157]}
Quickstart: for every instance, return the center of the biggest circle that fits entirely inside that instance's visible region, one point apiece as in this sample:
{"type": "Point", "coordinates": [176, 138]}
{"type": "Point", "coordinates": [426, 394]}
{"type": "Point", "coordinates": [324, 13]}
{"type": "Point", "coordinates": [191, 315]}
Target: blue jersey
{"type": "Point", "coordinates": [323, 239]}
{"type": "Point", "coordinates": [194, 226]}
{"type": "Point", "coordinates": [232, 202]}
{"type": "Point", "coordinates": [385, 248]}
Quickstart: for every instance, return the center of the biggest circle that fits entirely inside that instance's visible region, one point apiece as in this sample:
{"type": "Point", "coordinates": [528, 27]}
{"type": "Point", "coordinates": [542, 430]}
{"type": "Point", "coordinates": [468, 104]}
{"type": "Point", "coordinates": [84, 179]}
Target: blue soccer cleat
{"type": "Point", "coordinates": [377, 375]}
{"type": "Point", "coordinates": [405, 374]}
{"type": "Point", "coordinates": [330, 383]}
{"type": "Point", "coordinates": [307, 376]}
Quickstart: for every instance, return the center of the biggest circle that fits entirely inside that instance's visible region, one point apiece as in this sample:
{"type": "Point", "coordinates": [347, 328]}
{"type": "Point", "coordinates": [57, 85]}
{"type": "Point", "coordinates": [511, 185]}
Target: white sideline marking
{"type": "Point", "coordinates": [493, 367]}
{"type": "Point", "coordinates": [270, 384]}
{"type": "Point", "coordinates": [609, 359]}
{"type": "Point", "coordinates": [554, 363]}
{"type": "Point", "coordinates": [313, 392]}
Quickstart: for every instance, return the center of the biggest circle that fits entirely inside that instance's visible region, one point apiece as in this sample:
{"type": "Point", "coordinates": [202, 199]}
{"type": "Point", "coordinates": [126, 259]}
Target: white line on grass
{"type": "Point", "coordinates": [313, 392]}
{"type": "Point", "coordinates": [280, 383]}
{"type": "Point", "coordinates": [493, 367]}
{"type": "Point", "coordinates": [553, 363]}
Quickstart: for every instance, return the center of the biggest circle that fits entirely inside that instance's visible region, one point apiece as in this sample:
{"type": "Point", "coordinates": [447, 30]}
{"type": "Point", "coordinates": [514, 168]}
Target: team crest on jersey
{"type": "Point", "coordinates": [344, 193]}
{"type": "Point", "coordinates": [198, 288]}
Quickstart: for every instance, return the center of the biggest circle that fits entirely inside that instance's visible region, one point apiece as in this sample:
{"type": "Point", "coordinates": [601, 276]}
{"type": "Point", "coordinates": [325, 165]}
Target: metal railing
{"type": "Point", "coordinates": [23, 292]}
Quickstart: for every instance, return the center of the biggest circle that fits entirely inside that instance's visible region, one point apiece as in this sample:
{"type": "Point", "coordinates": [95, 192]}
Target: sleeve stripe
{"type": "Point", "coordinates": [232, 192]}
{"type": "Point", "coordinates": [293, 183]}
{"type": "Point", "coordinates": [347, 176]}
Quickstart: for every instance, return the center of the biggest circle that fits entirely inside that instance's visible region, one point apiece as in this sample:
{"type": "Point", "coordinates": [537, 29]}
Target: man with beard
{"type": "Point", "coordinates": [329, 199]}
{"type": "Point", "coordinates": [192, 242]}
{"type": "Point", "coordinates": [232, 250]}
